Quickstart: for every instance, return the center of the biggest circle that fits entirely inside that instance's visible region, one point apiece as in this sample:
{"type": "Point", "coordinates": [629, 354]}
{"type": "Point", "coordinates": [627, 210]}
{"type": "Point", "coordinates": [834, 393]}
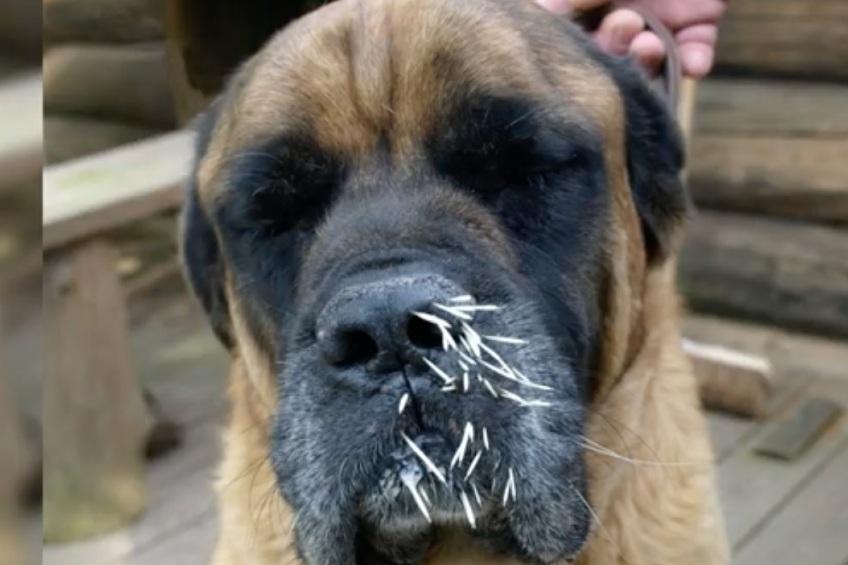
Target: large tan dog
{"type": "Point", "coordinates": [380, 159]}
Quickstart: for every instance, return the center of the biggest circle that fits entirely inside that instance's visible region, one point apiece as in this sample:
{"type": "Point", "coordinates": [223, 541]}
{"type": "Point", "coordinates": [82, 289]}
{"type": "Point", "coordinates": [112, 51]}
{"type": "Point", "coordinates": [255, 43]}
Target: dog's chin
{"type": "Point", "coordinates": [370, 480]}
{"type": "Point", "coordinates": [410, 509]}
{"type": "Point", "coordinates": [524, 498]}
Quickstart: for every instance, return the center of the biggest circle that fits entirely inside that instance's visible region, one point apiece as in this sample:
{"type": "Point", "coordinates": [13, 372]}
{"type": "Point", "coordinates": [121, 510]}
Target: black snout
{"type": "Point", "coordinates": [373, 324]}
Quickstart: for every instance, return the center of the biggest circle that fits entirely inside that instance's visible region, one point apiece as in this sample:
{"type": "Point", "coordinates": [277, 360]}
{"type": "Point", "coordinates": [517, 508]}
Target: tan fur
{"type": "Point", "coordinates": [660, 508]}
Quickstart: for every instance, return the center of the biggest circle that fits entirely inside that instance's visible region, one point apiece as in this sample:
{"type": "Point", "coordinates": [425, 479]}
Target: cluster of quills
{"type": "Point", "coordinates": [474, 355]}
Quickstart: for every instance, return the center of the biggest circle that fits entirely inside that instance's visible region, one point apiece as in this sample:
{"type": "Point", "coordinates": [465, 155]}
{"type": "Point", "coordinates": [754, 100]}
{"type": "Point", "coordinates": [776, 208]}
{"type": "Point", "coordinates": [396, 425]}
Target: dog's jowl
{"type": "Point", "coordinates": [438, 239]}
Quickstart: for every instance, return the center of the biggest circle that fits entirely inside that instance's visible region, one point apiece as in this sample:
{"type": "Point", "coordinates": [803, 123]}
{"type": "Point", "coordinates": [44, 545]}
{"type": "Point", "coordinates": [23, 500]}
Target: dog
{"type": "Point", "coordinates": [381, 167]}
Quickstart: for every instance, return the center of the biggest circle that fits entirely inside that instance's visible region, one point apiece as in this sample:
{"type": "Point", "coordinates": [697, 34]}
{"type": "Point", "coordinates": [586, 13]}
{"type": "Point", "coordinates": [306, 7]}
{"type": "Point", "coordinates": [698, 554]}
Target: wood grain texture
{"type": "Point", "coordinates": [786, 273]}
{"type": "Point", "coordinates": [772, 147]}
{"type": "Point", "coordinates": [95, 422]}
{"type": "Point", "coordinates": [109, 82]}
{"type": "Point", "coordinates": [753, 488]}
{"type": "Point", "coordinates": [811, 527]}
{"type": "Point", "coordinates": [20, 30]}
{"type": "Point", "coordinates": [99, 192]}
{"type": "Point", "coordinates": [100, 21]}
{"type": "Point", "coordinates": [794, 355]}
{"type": "Point", "coordinates": [15, 467]}
{"type": "Point", "coordinates": [765, 107]}
{"type": "Point", "coordinates": [21, 154]}
{"type": "Point", "coordinates": [803, 38]}
{"type": "Point", "coordinates": [68, 137]}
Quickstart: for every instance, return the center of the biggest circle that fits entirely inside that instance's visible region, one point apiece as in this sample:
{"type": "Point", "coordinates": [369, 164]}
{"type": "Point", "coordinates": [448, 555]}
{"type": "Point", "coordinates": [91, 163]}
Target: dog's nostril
{"type": "Point", "coordinates": [354, 347]}
{"type": "Point", "coordinates": [423, 334]}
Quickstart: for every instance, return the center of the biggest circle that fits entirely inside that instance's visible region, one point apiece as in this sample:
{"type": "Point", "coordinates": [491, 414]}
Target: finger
{"type": "Point", "coordinates": [618, 30]}
{"type": "Point", "coordinates": [556, 6]}
{"type": "Point", "coordinates": [696, 59]}
{"type": "Point", "coordinates": [697, 49]}
{"type": "Point", "coordinates": [649, 51]}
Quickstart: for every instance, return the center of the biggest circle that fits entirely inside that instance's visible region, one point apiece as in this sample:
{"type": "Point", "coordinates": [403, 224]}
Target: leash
{"type": "Point", "coordinates": [671, 72]}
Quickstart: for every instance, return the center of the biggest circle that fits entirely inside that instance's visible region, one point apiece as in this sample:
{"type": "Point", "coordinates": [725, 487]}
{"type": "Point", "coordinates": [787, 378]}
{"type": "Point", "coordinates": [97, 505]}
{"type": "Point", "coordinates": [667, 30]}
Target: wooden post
{"type": "Point", "coordinates": [17, 463]}
{"type": "Point", "coordinates": [686, 116]}
{"type": "Point", "coordinates": [95, 421]}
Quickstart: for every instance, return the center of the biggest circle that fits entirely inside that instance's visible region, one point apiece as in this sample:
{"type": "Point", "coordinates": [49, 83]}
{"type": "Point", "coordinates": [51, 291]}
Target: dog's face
{"type": "Point", "coordinates": [380, 159]}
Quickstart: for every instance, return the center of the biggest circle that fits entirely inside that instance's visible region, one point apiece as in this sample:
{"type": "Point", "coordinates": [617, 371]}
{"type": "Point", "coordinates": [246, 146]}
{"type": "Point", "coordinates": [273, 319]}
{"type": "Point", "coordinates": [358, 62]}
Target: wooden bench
{"type": "Point", "coordinates": [96, 420]}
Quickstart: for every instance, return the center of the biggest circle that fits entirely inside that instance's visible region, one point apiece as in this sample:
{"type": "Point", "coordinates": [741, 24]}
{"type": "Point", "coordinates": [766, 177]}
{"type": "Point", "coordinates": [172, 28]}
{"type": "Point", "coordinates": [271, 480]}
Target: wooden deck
{"type": "Point", "coordinates": [777, 512]}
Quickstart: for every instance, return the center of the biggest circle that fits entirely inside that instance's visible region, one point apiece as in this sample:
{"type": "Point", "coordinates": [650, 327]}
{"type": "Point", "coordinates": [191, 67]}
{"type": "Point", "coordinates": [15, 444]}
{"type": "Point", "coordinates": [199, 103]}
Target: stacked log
{"type": "Point", "coordinates": [785, 38]}
{"type": "Point", "coordinates": [105, 76]}
{"type": "Point", "coordinates": [20, 31]}
{"type": "Point", "coordinates": [769, 169]}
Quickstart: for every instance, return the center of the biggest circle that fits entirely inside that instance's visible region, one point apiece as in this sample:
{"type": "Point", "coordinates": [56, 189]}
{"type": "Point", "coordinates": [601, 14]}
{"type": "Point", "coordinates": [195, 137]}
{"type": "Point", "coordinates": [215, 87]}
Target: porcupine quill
{"type": "Point", "coordinates": [471, 348]}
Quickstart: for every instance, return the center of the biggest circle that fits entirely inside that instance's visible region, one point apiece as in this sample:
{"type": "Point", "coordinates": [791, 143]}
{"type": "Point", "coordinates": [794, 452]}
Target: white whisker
{"type": "Point", "coordinates": [607, 452]}
{"type": "Point", "coordinates": [465, 381]}
{"type": "Point", "coordinates": [486, 438]}
{"type": "Point", "coordinates": [403, 402]}
{"type": "Point", "coordinates": [594, 516]}
{"type": "Point", "coordinates": [463, 298]}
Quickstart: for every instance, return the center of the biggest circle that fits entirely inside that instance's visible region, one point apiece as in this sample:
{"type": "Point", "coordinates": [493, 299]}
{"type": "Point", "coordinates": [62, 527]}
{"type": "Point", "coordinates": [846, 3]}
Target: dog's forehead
{"type": "Point", "coordinates": [356, 73]}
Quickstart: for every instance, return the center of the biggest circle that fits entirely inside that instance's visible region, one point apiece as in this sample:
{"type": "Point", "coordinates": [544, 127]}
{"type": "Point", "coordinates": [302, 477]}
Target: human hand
{"type": "Point", "coordinates": [693, 23]}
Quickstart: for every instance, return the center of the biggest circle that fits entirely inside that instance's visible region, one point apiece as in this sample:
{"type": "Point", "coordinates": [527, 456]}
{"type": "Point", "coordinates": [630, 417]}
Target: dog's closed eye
{"type": "Point", "coordinates": [286, 185]}
{"type": "Point", "coordinates": [499, 144]}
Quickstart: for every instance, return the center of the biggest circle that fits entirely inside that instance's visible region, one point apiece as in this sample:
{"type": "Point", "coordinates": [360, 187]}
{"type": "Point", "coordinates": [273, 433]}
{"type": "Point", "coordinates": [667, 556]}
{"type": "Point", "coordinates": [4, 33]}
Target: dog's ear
{"type": "Point", "coordinates": [655, 161]}
{"type": "Point", "coordinates": [202, 262]}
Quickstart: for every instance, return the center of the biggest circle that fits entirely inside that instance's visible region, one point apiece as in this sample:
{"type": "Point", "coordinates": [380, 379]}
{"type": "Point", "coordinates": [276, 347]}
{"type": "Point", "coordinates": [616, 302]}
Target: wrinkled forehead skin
{"type": "Point", "coordinates": [359, 73]}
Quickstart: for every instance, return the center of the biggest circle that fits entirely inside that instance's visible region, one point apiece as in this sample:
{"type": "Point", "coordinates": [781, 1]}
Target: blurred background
{"type": "Point", "coordinates": [107, 364]}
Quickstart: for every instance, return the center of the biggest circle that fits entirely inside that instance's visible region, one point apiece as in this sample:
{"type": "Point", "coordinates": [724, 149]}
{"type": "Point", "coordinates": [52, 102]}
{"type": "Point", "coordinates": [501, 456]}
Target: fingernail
{"type": "Point", "coordinates": [620, 38]}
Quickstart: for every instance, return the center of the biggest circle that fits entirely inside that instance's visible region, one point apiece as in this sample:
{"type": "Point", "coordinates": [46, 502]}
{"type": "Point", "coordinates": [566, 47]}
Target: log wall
{"type": "Point", "coordinates": [769, 169]}
{"type": "Point", "coordinates": [105, 75]}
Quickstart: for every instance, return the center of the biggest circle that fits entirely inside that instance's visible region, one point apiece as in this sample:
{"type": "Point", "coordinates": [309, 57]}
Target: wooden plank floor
{"type": "Point", "coordinates": [777, 512]}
